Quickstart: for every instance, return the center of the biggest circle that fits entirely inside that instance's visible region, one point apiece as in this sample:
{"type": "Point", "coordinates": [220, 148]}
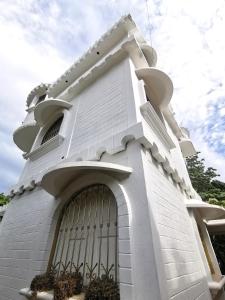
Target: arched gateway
{"type": "Point", "coordinates": [86, 235]}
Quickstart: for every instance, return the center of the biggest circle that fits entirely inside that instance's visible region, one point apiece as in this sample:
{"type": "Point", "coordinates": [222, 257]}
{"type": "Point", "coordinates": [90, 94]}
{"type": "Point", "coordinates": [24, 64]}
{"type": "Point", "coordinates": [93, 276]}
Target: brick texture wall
{"type": "Point", "coordinates": [25, 241]}
{"type": "Point", "coordinates": [180, 257]}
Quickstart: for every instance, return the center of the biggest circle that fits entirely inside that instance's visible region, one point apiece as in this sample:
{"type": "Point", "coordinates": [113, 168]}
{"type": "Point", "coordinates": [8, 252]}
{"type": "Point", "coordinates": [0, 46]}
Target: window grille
{"type": "Point", "coordinates": [87, 235]}
{"type": "Point", "coordinates": [52, 131]}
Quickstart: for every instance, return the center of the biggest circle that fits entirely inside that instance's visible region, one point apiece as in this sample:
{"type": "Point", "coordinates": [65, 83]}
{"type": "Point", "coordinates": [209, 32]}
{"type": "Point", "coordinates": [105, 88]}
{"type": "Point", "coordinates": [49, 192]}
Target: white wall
{"type": "Point", "coordinates": [24, 241]}
{"type": "Point", "coordinates": [163, 248]}
{"type": "Point", "coordinates": [99, 112]}
{"type": "Point", "coordinates": [180, 257]}
{"type": "Point", "coordinates": [103, 108]}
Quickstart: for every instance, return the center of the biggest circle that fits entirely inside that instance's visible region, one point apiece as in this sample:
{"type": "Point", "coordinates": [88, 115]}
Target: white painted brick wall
{"type": "Point", "coordinates": [102, 108]}
{"type": "Point", "coordinates": [25, 243]}
{"type": "Point", "coordinates": [99, 112]}
{"type": "Point", "coordinates": [184, 275]}
{"type": "Point", "coordinates": [43, 163]}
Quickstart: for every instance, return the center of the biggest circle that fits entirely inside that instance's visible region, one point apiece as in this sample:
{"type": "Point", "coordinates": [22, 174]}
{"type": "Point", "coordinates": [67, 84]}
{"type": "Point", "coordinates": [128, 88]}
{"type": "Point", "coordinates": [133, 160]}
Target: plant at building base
{"type": "Point", "coordinates": [68, 284]}
{"type": "Point", "coordinates": [203, 180]}
{"type": "Point", "coordinates": [102, 288]}
{"type": "Point", "coordinates": [43, 282]}
{"type": "Point", "coordinates": [3, 199]}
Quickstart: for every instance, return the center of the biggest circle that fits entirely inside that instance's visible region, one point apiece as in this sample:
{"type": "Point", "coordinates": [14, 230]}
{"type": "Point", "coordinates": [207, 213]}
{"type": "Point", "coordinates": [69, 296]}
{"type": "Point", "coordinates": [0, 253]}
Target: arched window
{"type": "Point", "coordinates": [53, 130]}
{"type": "Point", "coordinates": [87, 234]}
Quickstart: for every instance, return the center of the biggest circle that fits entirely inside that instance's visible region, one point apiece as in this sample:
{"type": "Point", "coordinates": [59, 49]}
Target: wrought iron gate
{"type": "Point", "coordinates": [87, 235]}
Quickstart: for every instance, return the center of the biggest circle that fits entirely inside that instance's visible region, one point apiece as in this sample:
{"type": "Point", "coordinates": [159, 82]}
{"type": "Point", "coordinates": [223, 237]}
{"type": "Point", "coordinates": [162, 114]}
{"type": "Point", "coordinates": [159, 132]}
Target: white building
{"type": "Point", "coordinates": [105, 182]}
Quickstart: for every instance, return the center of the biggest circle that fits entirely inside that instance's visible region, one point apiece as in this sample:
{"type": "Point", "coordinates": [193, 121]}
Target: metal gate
{"type": "Point", "coordinates": [87, 236]}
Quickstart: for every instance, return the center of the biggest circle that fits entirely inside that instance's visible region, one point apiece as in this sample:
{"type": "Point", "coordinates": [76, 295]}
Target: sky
{"type": "Point", "coordinates": [41, 39]}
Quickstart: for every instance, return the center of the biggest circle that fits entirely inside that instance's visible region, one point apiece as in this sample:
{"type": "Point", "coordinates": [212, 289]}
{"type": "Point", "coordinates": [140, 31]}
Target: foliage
{"type": "Point", "coordinates": [218, 242]}
{"type": "Point", "coordinates": [3, 199]}
{"type": "Point", "coordinates": [204, 182]}
{"type": "Point", "coordinates": [212, 191]}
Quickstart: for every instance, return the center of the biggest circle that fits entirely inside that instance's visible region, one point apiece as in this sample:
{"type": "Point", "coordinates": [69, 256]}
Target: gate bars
{"type": "Point", "coordinates": [87, 235]}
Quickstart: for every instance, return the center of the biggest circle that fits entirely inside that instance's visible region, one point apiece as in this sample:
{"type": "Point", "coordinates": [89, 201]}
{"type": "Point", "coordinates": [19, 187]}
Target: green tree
{"type": "Point", "coordinates": [204, 182]}
{"type": "Point", "coordinates": [212, 191]}
{"type": "Point", "coordinates": [3, 199]}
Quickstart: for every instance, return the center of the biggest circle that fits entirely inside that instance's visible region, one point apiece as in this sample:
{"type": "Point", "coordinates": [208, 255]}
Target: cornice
{"type": "Point", "coordinates": [156, 124]}
{"type": "Point", "coordinates": [113, 145]}
{"type": "Point", "coordinates": [93, 54]}
{"type": "Point", "coordinates": [45, 148]}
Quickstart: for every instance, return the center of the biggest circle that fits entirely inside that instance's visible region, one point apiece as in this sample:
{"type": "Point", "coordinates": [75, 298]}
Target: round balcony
{"type": "Point", "coordinates": [158, 84]}
{"type": "Point", "coordinates": [207, 211]}
{"type": "Point", "coordinates": [150, 54]}
{"type": "Point", "coordinates": [186, 146]}
{"type": "Point", "coordinates": [25, 135]}
{"type": "Point", "coordinates": [47, 108]}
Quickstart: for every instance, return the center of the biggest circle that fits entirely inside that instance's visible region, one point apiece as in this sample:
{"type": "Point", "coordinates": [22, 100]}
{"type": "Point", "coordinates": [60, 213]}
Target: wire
{"type": "Point", "coordinates": [149, 22]}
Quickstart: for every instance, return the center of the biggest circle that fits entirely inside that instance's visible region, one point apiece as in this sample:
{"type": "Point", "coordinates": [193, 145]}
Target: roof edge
{"type": "Point", "coordinates": [125, 25]}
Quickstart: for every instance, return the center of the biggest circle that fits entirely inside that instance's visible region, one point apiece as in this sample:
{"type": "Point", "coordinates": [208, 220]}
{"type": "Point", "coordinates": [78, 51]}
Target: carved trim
{"type": "Point", "coordinates": [45, 148]}
{"type": "Point", "coordinates": [113, 145]}
{"type": "Point", "coordinates": [123, 26]}
{"type": "Point", "coordinates": [156, 125]}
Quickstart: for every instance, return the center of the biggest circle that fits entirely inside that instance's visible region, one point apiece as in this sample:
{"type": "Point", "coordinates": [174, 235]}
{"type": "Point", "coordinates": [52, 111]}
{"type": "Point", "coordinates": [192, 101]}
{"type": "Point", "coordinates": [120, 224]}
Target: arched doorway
{"type": "Point", "coordinates": [86, 234]}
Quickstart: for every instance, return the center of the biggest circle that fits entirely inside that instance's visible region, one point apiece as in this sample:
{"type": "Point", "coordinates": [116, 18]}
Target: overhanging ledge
{"type": "Point", "coordinates": [206, 210]}
{"type": "Point", "coordinates": [216, 226]}
{"type": "Point", "coordinates": [47, 108]}
{"type": "Point", "coordinates": [158, 84]}
{"type": "Point", "coordinates": [57, 178]}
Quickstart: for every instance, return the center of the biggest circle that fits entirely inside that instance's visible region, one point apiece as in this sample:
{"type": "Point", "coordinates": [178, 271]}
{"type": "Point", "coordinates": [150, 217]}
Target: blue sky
{"type": "Point", "coordinates": [41, 39]}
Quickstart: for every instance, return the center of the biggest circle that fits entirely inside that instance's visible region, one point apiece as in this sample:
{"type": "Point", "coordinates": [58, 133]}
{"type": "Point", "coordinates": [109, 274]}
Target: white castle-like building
{"type": "Point", "coordinates": [105, 185]}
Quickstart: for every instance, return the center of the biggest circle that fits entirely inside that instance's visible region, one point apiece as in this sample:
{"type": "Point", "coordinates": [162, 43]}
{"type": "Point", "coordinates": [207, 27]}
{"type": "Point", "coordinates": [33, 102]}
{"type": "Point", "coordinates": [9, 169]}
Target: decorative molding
{"type": "Point", "coordinates": [156, 154]}
{"type": "Point", "coordinates": [25, 135]}
{"type": "Point", "coordinates": [58, 177]}
{"type": "Point", "coordinates": [27, 186]}
{"type": "Point", "coordinates": [176, 177]}
{"type": "Point", "coordinates": [128, 46]}
{"type": "Point", "coordinates": [91, 75]}
{"type": "Point", "coordinates": [142, 55]}
{"type": "Point", "coordinates": [156, 124]}
{"type": "Point", "coordinates": [45, 148]}
{"type": "Point", "coordinates": [45, 109]}
{"type": "Point", "coordinates": [113, 145]}
{"type": "Point", "coordinates": [31, 186]}
{"type": "Point", "coordinates": [167, 166]}
{"type": "Point", "coordinates": [94, 53]}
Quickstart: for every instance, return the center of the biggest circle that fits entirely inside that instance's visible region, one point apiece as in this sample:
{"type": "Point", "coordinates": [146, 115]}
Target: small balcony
{"type": "Point", "coordinates": [25, 135]}
{"type": "Point", "coordinates": [158, 85]}
{"type": "Point", "coordinates": [186, 145]}
{"type": "Point", "coordinates": [44, 110]}
{"type": "Point", "coordinates": [150, 54]}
